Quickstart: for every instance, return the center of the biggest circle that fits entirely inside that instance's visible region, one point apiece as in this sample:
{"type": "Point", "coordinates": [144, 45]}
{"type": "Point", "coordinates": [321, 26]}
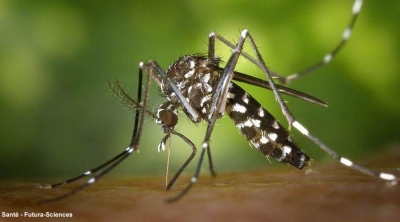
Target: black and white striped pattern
{"type": "Point", "coordinates": [261, 129]}
{"type": "Point", "coordinates": [204, 91]}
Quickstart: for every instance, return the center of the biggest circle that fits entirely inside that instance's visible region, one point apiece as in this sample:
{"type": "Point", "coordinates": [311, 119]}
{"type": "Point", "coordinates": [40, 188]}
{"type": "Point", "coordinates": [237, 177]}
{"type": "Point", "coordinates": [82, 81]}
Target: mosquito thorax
{"type": "Point", "coordinates": [196, 77]}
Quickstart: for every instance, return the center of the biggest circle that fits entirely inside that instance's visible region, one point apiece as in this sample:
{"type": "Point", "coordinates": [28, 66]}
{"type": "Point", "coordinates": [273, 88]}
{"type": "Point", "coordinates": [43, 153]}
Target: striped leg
{"type": "Point", "coordinates": [384, 176]}
{"type": "Point", "coordinates": [134, 145]}
{"type": "Point", "coordinates": [325, 60]}
{"type": "Point", "coordinates": [329, 56]}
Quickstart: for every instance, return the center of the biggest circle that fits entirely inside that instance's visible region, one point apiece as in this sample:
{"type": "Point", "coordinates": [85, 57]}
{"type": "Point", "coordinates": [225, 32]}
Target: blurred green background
{"type": "Point", "coordinates": [59, 119]}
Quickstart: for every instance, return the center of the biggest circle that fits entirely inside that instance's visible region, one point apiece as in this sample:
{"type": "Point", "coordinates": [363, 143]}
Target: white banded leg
{"type": "Point", "coordinates": [325, 59]}
{"type": "Point", "coordinates": [345, 161]}
{"type": "Point", "coordinates": [134, 145]}
{"type": "Point", "coordinates": [329, 56]}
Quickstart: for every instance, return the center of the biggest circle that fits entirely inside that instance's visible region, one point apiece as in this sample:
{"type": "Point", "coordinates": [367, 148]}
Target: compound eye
{"type": "Point", "coordinates": [168, 118]}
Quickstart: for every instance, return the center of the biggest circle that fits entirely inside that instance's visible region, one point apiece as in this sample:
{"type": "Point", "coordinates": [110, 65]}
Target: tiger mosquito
{"type": "Point", "coordinates": [204, 91]}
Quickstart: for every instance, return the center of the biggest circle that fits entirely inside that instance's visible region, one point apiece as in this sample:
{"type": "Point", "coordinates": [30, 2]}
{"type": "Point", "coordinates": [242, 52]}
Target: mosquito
{"type": "Point", "coordinates": [197, 85]}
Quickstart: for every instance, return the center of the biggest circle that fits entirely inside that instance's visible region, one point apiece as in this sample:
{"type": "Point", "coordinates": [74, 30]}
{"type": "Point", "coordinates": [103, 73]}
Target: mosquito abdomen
{"type": "Point", "coordinates": [261, 129]}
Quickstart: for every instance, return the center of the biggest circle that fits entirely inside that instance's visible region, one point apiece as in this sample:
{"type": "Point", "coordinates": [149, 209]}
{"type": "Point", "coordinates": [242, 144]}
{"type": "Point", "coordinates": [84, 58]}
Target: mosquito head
{"type": "Point", "coordinates": [168, 118]}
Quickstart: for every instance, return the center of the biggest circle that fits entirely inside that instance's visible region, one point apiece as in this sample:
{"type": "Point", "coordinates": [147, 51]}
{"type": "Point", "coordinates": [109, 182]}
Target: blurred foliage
{"type": "Point", "coordinates": [59, 118]}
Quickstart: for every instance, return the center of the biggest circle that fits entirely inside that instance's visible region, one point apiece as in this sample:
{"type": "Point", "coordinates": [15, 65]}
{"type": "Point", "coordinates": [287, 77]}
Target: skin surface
{"type": "Point", "coordinates": [326, 192]}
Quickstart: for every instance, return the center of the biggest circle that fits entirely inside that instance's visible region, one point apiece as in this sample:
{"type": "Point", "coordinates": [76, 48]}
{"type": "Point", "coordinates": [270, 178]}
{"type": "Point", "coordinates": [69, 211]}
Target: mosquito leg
{"type": "Point", "coordinates": [278, 97]}
{"type": "Point", "coordinates": [329, 56]}
{"type": "Point", "coordinates": [194, 178]}
{"type": "Point", "coordinates": [194, 150]}
{"type": "Point", "coordinates": [87, 173]}
{"type": "Point", "coordinates": [138, 126]}
{"type": "Point", "coordinates": [345, 161]}
{"type": "Point", "coordinates": [127, 152]}
{"type": "Point", "coordinates": [326, 59]}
